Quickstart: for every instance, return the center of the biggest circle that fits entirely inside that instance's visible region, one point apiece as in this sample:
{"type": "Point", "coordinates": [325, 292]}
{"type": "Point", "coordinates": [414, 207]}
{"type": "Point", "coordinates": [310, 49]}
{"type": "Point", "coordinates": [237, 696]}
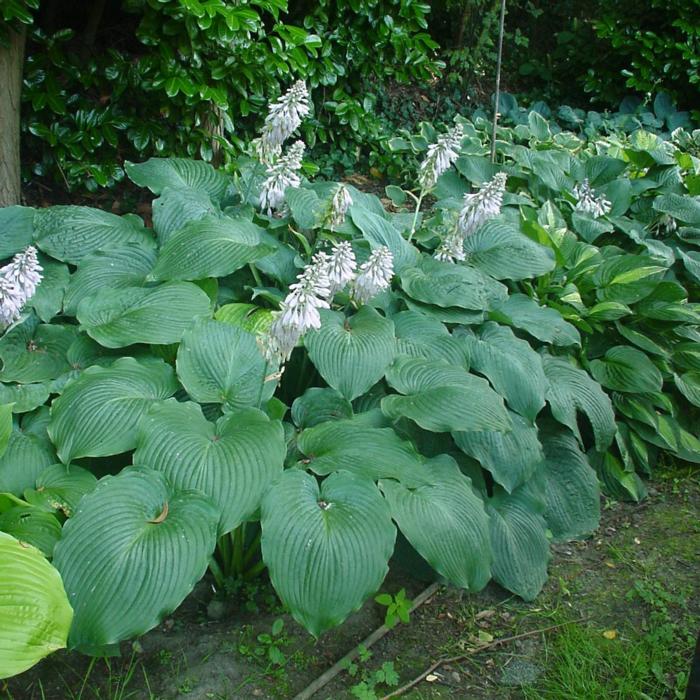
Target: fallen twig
{"type": "Point", "coordinates": [461, 657]}
{"type": "Point", "coordinates": [341, 665]}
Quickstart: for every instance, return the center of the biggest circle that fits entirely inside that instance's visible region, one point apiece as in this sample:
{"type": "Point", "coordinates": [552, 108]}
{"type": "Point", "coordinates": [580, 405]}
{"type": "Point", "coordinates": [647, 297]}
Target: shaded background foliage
{"type": "Point", "coordinates": [129, 79]}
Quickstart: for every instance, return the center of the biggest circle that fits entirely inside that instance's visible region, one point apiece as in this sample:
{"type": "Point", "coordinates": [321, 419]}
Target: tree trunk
{"type": "Point", "coordinates": [11, 61]}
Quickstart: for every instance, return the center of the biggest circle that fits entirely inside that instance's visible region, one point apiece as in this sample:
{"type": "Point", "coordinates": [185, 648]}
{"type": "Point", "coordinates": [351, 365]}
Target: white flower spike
{"type": "Point", "coordinates": [340, 204]}
{"type": "Point", "coordinates": [440, 157]}
{"type": "Point", "coordinates": [374, 276]}
{"type": "Point", "coordinates": [589, 202]}
{"type": "Point", "coordinates": [285, 116]}
{"type": "Point", "coordinates": [282, 174]}
{"type": "Point", "coordinates": [340, 266]}
{"type": "Point", "coordinates": [18, 283]}
{"type": "Point", "coordinates": [478, 208]}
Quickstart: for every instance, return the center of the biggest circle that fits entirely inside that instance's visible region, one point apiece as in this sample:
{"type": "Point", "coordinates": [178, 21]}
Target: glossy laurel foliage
{"type": "Point", "coordinates": [192, 78]}
{"type": "Point", "coordinates": [473, 407]}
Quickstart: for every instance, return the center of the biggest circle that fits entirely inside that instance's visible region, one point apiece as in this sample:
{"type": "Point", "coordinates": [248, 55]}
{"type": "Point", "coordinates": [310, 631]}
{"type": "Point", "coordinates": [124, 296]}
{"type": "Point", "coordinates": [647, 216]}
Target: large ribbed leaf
{"type": "Point", "coordinates": [35, 352]}
{"type": "Point", "coordinates": [569, 390]}
{"type": "Point", "coordinates": [70, 233]}
{"type": "Point", "coordinates": [220, 363]}
{"type": "Point", "coordinates": [32, 525]}
{"type": "Point", "coordinates": [35, 615]}
{"type": "Point", "coordinates": [688, 384]}
{"type": "Point", "coordinates": [446, 285]}
{"type": "Point", "coordinates": [116, 318]}
{"type": "Point", "coordinates": [233, 461]}
{"type": "Point", "coordinates": [512, 457]}
{"type": "Point", "coordinates": [131, 554]}
{"type": "Point", "coordinates": [501, 251]}
{"type": "Point", "coordinates": [97, 414]}
{"type": "Point", "coordinates": [446, 523]}
{"type": "Point", "coordinates": [209, 247]}
{"type": "Point", "coordinates": [627, 278]}
{"type": "Point", "coordinates": [48, 298]}
{"type": "Point", "coordinates": [327, 549]}
{"type": "Point", "coordinates": [680, 207]}
{"type": "Point", "coordinates": [571, 487]}
{"type": "Point", "coordinates": [352, 354]}
{"type": "Point", "coordinates": [24, 397]}
{"type": "Point", "coordinates": [60, 488]}
{"type": "Point", "coordinates": [512, 366]}
{"type": "Point", "coordinates": [249, 317]}
{"type": "Point", "coordinates": [179, 173]}
{"type": "Point", "coordinates": [17, 226]}
{"type": "Point", "coordinates": [519, 542]}
{"type": "Point", "coordinates": [177, 207]}
{"type": "Point", "coordinates": [540, 322]}
{"type": "Point", "coordinates": [5, 426]}
{"type": "Point", "coordinates": [317, 405]}
{"type": "Point", "coordinates": [114, 268]}
{"type": "Point", "coordinates": [627, 369]}
{"type": "Point", "coordinates": [443, 398]}
{"type": "Point", "coordinates": [350, 445]}
{"type": "Point", "coordinates": [418, 335]}
{"type": "Point", "coordinates": [26, 456]}
{"type": "Point", "coordinates": [380, 232]}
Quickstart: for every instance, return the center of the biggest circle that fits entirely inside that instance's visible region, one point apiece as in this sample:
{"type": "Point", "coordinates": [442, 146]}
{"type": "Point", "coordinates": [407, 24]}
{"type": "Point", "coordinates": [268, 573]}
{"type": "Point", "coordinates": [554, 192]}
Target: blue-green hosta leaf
{"type": "Point", "coordinates": [98, 413]}
{"type": "Point", "coordinates": [114, 268]}
{"type": "Point", "coordinates": [160, 315]}
{"type": "Point", "coordinates": [571, 487]}
{"type": "Point", "coordinates": [26, 456]}
{"type": "Point", "coordinates": [501, 251]}
{"type": "Point", "coordinates": [131, 554]}
{"type": "Point", "coordinates": [446, 523]}
{"type": "Point", "coordinates": [179, 174]}
{"type": "Point", "coordinates": [365, 450]}
{"type": "Point", "coordinates": [512, 367]}
{"type": "Point", "coordinates": [446, 285]}
{"type": "Point", "coordinates": [683, 208]}
{"type": "Point", "coordinates": [512, 457]}
{"type": "Point", "coordinates": [221, 363]}
{"type": "Point", "coordinates": [380, 232]}
{"type": "Point", "coordinates": [249, 317]}
{"type": "Point", "coordinates": [519, 542]}
{"type": "Point", "coordinates": [691, 261]}
{"type": "Point", "coordinates": [33, 526]}
{"type": "Point", "coordinates": [673, 437]}
{"type": "Point", "coordinates": [5, 426]}
{"type": "Point", "coordinates": [627, 369]}
{"type": "Point", "coordinates": [570, 390]}
{"type": "Point", "coordinates": [233, 461]}
{"type": "Point", "coordinates": [35, 615]}
{"type": "Point", "coordinates": [689, 385]}
{"type": "Point", "coordinates": [305, 206]}
{"type": "Point", "coordinates": [627, 278]}
{"type": "Point", "coordinates": [443, 398]}
{"type": "Point", "coordinates": [17, 226]}
{"type": "Point", "coordinates": [60, 487]}
{"type": "Point", "coordinates": [70, 233]}
{"type": "Point", "coordinates": [317, 405]}
{"type": "Point", "coordinates": [35, 352]}
{"type": "Point", "coordinates": [541, 322]}
{"type": "Point", "coordinates": [418, 335]}
{"type": "Point", "coordinates": [352, 354]}
{"type": "Point", "coordinates": [590, 228]}
{"type": "Point", "coordinates": [452, 314]}
{"type": "Point", "coordinates": [177, 207]}
{"type": "Point", "coordinates": [327, 549]}
{"type": "Point", "coordinates": [49, 296]}
{"type": "Point", "coordinates": [209, 247]}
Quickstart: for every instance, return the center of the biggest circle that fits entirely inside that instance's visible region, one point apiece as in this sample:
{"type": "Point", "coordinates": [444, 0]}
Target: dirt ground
{"type": "Point", "coordinates": [627, 601]}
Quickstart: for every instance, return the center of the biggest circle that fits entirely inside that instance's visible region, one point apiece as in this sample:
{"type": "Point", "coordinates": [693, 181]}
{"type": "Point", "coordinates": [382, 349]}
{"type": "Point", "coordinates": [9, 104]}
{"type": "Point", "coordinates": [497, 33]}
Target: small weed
{"type": "Point", "coordinates": [370, 681]}
{"type": "Point", "coordinates": [398, 607]}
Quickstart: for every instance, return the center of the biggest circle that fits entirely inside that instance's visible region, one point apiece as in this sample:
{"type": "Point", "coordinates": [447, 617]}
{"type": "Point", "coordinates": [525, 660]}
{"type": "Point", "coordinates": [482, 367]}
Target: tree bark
{"type": "Point", "coordinates": [11, 62]}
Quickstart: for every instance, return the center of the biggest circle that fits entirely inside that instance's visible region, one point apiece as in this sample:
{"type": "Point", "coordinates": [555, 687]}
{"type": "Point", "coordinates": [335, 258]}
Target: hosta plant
{"type": "Point", "coordinates": [291, 358]}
